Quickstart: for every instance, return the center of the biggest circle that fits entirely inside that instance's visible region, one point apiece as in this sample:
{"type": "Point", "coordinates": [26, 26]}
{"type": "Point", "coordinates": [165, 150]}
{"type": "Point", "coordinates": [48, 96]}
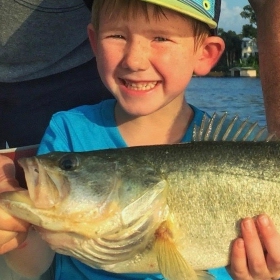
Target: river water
{"type": "Point", "coordinates": [236, 96]}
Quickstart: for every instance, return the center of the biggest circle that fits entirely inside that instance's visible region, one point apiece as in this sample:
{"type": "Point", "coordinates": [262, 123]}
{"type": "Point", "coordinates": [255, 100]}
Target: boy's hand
{"type": "Point", "coordinates": [257, 254]}
{"type": "Point", "coordinates": [13, 231]}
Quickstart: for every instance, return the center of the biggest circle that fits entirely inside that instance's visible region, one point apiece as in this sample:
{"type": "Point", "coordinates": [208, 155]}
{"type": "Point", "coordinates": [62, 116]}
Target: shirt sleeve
{"type": "Point", "coordinates": [55, 138]}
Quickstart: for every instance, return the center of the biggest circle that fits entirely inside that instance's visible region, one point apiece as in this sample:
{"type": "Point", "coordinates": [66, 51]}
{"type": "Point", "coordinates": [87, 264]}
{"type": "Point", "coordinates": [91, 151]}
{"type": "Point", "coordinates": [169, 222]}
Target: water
{"type": "Point", "coordinates": [236, 96]}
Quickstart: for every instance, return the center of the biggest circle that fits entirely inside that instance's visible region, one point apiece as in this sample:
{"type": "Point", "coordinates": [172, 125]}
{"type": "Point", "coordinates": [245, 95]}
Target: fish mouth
{"type": "Point", "coordinates": [46, 187]}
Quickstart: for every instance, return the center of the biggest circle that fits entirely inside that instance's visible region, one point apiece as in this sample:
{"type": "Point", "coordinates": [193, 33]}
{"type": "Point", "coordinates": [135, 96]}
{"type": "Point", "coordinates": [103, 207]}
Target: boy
{"type": "Point", "coordinates": [146, 54]}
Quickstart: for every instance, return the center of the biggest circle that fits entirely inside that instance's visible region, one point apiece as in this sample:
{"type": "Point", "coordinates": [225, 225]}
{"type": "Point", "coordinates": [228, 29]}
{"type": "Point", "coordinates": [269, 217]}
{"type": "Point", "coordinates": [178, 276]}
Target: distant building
{"type": "Point", "coordinates": [243, 72]}
{"type": "Point", "coordinates": [249, 47]}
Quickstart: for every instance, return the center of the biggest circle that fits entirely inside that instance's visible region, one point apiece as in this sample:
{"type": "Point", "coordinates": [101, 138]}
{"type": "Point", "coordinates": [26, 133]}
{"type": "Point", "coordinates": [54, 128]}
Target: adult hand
{"type": "Point", "coordinates": [13, 231]}
{"type": "Point", "coordinates": [257, 254]}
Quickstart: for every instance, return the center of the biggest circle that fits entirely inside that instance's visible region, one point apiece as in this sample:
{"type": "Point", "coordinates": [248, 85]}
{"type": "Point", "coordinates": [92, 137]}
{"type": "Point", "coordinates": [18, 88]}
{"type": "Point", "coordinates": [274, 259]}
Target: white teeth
{"type": "Point", "coordinates": [140, 86]}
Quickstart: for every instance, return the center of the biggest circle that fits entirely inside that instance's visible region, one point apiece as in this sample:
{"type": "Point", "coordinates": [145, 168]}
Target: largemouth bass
{"type": "Point", "coordinates": [173, 209]}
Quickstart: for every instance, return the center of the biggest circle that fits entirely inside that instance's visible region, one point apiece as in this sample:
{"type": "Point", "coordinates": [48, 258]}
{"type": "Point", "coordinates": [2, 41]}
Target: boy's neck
{"type": "Point", "coordinates": [162, 127]}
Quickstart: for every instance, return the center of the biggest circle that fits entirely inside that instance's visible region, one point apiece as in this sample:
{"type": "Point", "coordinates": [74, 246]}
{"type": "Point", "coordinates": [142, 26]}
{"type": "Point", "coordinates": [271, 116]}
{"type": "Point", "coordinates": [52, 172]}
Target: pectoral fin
{"type": "Point", "coordinates": [171, 263]}
{"type": "Point", "coordinates": [204, 275]}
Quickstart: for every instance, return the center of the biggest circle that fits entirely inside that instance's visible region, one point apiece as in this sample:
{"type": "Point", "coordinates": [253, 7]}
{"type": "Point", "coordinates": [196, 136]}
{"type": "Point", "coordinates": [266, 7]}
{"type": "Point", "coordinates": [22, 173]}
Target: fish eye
{"type": "Point", "coordinates": [68, 163]}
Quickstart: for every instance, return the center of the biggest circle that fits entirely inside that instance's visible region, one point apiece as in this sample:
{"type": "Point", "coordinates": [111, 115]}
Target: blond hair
{"type": "Point", "coordinates": [127, 9]}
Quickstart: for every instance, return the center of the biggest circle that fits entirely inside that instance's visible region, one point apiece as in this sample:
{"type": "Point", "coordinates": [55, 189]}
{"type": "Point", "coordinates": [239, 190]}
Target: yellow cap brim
{"type": "Point", "coordinates": [182, 8]}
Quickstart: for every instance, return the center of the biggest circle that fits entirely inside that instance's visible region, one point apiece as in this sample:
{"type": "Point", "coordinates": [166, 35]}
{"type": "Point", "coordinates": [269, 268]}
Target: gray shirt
{"type": "Point", "coordinates": [39, 38]}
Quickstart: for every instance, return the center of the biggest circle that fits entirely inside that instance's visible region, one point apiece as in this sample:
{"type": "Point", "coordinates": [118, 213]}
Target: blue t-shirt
{"type": "Point", "coordinates": [93, 127]}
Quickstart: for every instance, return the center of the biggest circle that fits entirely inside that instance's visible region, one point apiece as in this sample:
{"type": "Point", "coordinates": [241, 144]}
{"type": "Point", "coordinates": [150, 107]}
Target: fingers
{"type": "Point", "coordinates": [9, 183]}
{"type": "Point", "coordinates": [12, 230]}
{"type": "Point", "coordinates": [7, 174]}
{"type": "Point", "coordinates": [256, 255]}
{"type": "Point", "coordinates": [32, 258]}
{"type": "Point", "coordinates": [247, 260]}
{"type": "Point", "coordinates": [7, 168]}
{"type": "Point", "coordinates": [10, 223]}
{"type": "Point", "coordinates": [6, 236]}
{"type": "Point", "coordinates": [271, 242]}
{"type": "Point", "coordinates": [254, 250]}
{"type": "Point", "coordinates": [13, 241]}
{"type": "Point", "coordinates": [238, 265]}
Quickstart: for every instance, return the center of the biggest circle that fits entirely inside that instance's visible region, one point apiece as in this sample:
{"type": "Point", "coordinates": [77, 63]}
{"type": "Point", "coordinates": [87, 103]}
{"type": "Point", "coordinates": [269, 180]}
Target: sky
{"type": "Point", "coordinates": [230, 18]}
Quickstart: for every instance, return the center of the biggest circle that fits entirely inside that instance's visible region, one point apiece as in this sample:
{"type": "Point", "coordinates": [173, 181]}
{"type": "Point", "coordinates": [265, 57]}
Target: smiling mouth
{"type": "Point", "coordinates": [139, 85]}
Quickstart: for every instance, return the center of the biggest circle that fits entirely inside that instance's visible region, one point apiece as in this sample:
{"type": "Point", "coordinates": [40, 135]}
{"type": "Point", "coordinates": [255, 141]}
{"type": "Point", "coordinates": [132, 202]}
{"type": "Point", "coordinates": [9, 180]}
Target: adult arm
{"type": "Point", "coordinates": [268, 23]}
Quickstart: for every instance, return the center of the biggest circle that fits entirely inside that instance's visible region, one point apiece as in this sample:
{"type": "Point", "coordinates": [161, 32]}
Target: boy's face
{"type": "Point", "coordinates": [146, 64]}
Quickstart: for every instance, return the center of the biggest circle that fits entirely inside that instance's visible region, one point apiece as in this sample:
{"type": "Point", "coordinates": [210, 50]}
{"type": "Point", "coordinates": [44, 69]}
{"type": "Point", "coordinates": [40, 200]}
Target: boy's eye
{"type": "Point", "coordinates": [116, 36]}
{"type": "Point", "coordinates": [160, 39]}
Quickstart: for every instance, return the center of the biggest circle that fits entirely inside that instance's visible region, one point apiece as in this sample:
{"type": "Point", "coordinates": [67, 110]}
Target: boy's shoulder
{"type": "Point", "coordinates": [87, 110]}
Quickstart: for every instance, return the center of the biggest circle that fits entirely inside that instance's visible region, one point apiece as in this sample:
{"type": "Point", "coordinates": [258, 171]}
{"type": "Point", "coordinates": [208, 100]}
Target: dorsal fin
{"type": "Point", "coordinates": [225, 128]}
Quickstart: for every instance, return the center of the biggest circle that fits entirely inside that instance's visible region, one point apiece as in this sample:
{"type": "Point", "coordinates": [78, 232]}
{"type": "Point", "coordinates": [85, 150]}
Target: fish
{"type": "Point", "coordinates": [173, 209]}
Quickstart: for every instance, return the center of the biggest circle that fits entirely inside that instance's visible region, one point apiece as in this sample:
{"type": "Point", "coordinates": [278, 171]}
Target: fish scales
{"type": "Point", "coordinates": [211, 191]}
{"type": "Point", "coordinates": [202, 190]}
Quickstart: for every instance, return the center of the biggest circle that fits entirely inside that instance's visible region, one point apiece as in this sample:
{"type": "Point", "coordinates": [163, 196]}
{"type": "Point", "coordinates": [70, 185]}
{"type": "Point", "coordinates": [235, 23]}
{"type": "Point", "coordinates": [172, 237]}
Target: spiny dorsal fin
{"type": "Point", "coordinates": [171, 263]}
{"type": "Point", "coordinates": [225, 128]}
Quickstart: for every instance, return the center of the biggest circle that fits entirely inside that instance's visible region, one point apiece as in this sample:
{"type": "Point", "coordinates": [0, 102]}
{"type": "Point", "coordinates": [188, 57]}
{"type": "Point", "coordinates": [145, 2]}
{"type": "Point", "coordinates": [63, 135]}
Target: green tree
{"type": "Point", "coordinates": [250, 14]}
{"type": "Point", "coordinates": [232, 53]}
{"type": "Point", "coordinates": [249, 30]}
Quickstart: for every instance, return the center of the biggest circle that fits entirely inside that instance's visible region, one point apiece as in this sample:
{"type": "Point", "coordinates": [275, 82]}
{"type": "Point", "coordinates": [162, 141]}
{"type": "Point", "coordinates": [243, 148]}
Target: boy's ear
{"type": "Point", "coordinates": [208, 55]}
{"type": "Point", "coordinates": [92, 37]}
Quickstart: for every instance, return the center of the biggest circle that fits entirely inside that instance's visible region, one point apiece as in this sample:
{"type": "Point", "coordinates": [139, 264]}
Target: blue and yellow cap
{"type": "Point", "coordinates": [207, 11]}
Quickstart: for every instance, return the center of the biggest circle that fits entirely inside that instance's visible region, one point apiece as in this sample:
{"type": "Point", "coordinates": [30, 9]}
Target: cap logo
{"type": "Point", "coordinates": [207, 5]}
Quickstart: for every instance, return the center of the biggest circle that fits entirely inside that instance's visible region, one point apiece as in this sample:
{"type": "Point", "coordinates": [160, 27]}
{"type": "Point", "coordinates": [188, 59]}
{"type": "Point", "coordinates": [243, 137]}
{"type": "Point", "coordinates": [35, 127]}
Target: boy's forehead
{"type": "Point", "coordinates": [207, 11]}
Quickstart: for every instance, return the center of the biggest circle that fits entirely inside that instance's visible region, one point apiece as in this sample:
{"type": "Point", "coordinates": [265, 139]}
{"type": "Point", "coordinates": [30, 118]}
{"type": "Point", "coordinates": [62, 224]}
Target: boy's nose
{"type": "Point", "coordinates": [136, 57]}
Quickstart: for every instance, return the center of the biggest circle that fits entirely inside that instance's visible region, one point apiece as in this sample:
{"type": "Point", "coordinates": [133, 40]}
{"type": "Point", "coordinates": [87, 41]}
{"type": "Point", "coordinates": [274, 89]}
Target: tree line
{"type": "Point", "coordinates": [232, 56]}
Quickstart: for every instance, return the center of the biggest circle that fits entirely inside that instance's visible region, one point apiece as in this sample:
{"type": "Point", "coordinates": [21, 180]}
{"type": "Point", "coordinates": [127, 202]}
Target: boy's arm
{"type": "Point", "coordinates": [268, 23]}
{"type": "Point", "coordinates": [25, 252]}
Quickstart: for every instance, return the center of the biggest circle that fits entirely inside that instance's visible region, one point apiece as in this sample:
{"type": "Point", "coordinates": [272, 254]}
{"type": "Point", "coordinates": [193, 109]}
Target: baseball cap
{"type": "Point", "coordinates": [207, 11]}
